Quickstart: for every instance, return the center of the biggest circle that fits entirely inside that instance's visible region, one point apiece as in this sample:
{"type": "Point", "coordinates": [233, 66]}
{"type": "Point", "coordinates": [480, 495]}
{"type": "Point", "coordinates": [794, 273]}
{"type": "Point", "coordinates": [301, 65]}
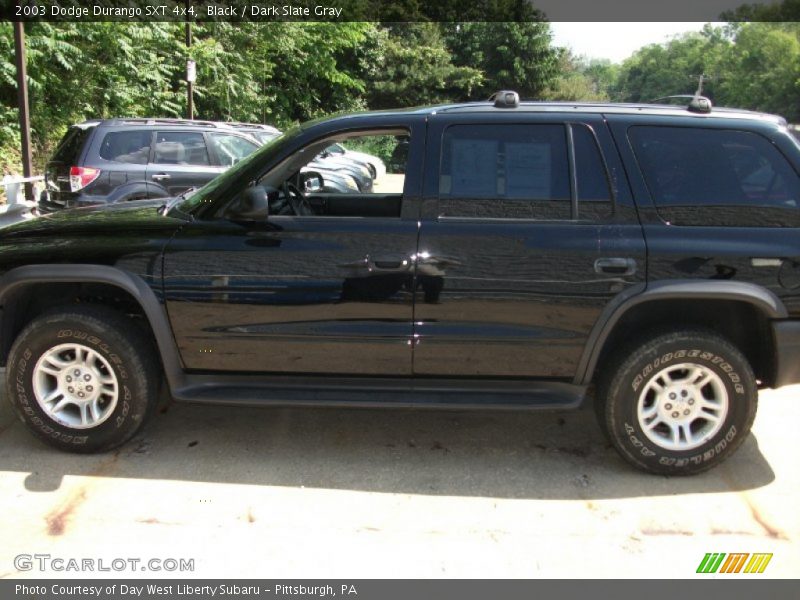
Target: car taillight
{"type": "Point", "coordinates": [80, 177]}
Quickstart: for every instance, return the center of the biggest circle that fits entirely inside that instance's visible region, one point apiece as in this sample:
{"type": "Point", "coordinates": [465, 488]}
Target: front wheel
{"type": "Point", "coordinates": [82, 378]}
{"type": "Point", "coordinates": [678, 403]}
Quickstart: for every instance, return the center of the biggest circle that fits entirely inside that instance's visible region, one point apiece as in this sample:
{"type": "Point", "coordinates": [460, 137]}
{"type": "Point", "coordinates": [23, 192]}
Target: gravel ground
{"type": "Point", "coordinates": [318, 493]}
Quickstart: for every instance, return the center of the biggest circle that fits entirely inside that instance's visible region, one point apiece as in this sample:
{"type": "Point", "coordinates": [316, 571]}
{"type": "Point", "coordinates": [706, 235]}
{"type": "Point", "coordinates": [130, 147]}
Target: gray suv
{"type": "Point", "coordinates": [115, 160]}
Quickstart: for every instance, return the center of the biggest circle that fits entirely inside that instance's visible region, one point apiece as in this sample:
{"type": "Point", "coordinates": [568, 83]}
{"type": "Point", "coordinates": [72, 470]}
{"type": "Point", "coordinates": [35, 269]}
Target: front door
{"type": "Point", "coordinates": [327, 290]}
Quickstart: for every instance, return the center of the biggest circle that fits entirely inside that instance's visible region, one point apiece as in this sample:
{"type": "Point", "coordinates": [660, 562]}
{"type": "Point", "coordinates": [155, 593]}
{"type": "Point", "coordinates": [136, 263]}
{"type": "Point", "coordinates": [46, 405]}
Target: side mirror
{"type": "Point", "coordinates": [254, 202]}
{"type": "Point", "coordinates": [312, 182]}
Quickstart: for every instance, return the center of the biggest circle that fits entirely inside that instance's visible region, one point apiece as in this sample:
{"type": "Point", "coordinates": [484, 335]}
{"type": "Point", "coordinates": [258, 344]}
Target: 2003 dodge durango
{"type": "Point", "coordinates": [514, 255]}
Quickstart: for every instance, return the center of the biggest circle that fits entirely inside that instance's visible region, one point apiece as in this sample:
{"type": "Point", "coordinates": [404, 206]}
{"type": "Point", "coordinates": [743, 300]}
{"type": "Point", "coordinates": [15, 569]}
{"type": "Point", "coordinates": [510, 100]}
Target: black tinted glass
{"type": "Point", "coordinates": [594, 195]}
{"type": "Point", "coordinates": [717, 177]}
{"type": "Point", "coordinates": [69, 149]}
{"type": "Point", "coordinates": [126, 146]}
{"type": "Point", "coordinates": [505, 171]}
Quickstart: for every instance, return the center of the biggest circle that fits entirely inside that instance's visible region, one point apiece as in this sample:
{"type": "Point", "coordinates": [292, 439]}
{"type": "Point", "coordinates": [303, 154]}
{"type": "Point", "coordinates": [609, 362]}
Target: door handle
{"type": "Point", "coordinates": [615, 266]}
{"type": "Point", "coordinates": [388, 264]}
{"type": "Point", "coordinates": [160, 176]}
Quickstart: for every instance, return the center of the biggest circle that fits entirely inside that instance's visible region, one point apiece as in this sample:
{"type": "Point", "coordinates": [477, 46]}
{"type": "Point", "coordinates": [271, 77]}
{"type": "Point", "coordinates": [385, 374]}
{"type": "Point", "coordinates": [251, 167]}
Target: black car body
{"type": "Point", "coordinates": [536, 251]}
{"type": "Point", "coordinates": [117, 160]}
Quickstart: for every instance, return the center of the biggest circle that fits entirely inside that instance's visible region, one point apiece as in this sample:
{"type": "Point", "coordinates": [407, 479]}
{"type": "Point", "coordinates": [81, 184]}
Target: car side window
{"type": "Point", "coordinates": [132, 147]}
{"type": "Point", "coordinates": [367, 179]}
{"type": "Point", "coordinates": [231, 149]}
{"type": "Point", "coordinates": [717, 177]}
{"type": "Point", "coordinates": [180, 148]}
{"type": "Point", "coordinates": [594, 192]}
{"type": "Point", "coordinates": [505, 171]}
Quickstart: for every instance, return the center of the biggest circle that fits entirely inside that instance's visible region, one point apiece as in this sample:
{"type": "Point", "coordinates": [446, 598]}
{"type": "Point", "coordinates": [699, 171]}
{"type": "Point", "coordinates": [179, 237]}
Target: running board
{"type": "Point", "coordinates": [380, 392]}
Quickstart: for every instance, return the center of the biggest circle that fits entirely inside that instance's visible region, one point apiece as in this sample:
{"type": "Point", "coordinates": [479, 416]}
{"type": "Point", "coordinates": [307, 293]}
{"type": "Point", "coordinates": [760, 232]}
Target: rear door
{"type": "Point", "coordinates": [528, 231]}
{"type": "Point", "coordinates": [719, 199]}
{"type": "Point", "coordinates": [180, 160]}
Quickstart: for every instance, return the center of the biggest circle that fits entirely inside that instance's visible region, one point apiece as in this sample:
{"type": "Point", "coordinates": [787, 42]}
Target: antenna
{"type": "Point", "coordinates": [701, 79]}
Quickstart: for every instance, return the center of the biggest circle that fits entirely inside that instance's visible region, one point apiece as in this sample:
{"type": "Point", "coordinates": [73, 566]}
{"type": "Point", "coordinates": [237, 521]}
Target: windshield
{"type": "Point", "coordinates": [246, 170]}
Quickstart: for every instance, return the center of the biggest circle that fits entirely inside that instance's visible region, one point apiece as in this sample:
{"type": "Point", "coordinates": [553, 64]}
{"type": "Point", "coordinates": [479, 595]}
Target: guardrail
{"type": "Point", "coordinates": [15, 188]}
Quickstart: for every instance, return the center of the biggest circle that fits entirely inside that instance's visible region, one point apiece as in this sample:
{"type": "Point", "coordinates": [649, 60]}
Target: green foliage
{"type": "Point", "coordinates": [283, 73]}
{"type": "Point", "coordinates": [788, 10]}
{"type": "Point", "coordinates": [673, 68]}
{"type": "Point", "coordinates": [582, 80]}
{"type": "Point", "coordinates": [414, 67]}
{"type": "Point", "coordinates": [752, 65]}
{"type": "Point", "coordinates": [382, 146]}
{"type": "Point", "coordinates": [516, 56]}
{"type": "Point", "coordinates": [762, 70]}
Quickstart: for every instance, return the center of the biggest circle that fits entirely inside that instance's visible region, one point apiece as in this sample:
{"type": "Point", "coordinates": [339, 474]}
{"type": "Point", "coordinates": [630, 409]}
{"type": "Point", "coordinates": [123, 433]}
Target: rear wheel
{"type": "Point", "coordinates": [82, 378]}
{"type": "Point", "coordinates": [678, 403]}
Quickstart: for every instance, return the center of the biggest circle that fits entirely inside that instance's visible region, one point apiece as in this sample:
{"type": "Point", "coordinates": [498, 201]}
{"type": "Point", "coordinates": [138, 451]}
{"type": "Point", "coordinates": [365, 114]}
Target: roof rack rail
{"type": "Point", "coordinates": [505, 99]}
{"type": "Point", "coordinates": [696, 103]}
{"type": "Point", "coordinates": [166, 121]}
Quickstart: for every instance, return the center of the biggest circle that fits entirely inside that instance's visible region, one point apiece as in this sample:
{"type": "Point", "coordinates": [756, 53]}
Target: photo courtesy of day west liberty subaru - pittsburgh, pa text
{"type": "Point", "coordinates": [183, 589]}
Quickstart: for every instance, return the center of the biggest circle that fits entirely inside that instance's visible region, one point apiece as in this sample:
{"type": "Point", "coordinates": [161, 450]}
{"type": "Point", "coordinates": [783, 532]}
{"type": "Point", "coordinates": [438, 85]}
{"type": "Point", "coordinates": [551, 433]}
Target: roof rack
{"type": "Point", "coordinates": [165, 121]}
{"type": "Point", "coordinates": [696, 103]}
{"type": "Point", "coordinates": [240, 125]}
{"type": "Point", "coordinates": [505, 99]}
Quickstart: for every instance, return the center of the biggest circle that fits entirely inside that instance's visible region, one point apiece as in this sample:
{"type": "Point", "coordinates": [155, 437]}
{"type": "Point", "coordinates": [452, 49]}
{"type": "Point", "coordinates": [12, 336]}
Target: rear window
{"type": "Point", "coordinates": [127, 147]}
{"type": "Point", "coordinates": [715, 177]}
{"type": "Point", "coordinates": [69, 149]}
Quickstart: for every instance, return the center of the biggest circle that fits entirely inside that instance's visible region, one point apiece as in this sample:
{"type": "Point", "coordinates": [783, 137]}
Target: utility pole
{"type": "Point", "coordinates": [190, 67]}
{"type": "Point", "coordinates": [22, 101]}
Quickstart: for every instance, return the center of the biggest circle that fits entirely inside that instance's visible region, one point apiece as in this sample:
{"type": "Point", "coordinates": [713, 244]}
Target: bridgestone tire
{"type": "Point", "coordinates": [119, 342]}
{"type": "Point", "coordinates": [629, 391]}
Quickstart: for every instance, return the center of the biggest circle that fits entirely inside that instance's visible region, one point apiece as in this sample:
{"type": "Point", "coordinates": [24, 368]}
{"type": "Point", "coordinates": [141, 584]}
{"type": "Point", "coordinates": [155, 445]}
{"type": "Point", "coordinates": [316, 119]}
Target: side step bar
{"type": "Point", "coordinates": [380, 392]}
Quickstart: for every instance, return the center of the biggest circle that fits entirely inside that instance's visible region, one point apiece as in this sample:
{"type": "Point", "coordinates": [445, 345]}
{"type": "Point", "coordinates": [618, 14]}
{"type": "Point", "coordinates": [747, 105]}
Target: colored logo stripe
{"type": "Point", "coordinates": [758, 563]}
{"type": "Point", "coordinates": [712, 562]}
{"type": "Point", "coordinates": [734, 563]}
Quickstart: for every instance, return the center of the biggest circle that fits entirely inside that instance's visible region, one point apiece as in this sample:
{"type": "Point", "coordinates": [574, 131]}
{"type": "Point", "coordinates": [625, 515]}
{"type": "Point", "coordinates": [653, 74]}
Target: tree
{"type": "Point", "coordinates": [516, 56]}
{"type": "Point", "coordinates": [673, 68]}
{"type": "Point", "coordinates": [581, 79]}
{"type": "Point", "coordinates": [415, 67]}
{"type": "Point", "coordinates": [762, 70]}
{"type": "Point", "coordinates": [788, 10]}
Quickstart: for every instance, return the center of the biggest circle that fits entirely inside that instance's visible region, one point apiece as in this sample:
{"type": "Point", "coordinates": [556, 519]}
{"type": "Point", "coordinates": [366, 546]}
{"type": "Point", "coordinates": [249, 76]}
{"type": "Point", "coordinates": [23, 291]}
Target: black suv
{"type": "Point", "coordinates": [525, 255]}
{"type": "Point", "coordinates": [115, 160]}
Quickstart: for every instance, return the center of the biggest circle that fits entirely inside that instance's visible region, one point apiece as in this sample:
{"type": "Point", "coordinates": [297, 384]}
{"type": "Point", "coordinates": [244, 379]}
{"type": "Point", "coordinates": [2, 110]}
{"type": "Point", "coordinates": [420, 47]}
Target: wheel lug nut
{"type": "Point", "coordinates": [668, 406]}
{"type": "Point", "coordinates": [672, 396]}
{"type": "Point", "coordinates": [675, 415]}
{"type": "Point", "coordinates": [90, 388]}
{"type": "Point", "coordinates": [691, 402]}
{"type": "Point", "coordinates": [69, 379]}
{"type": "Point", "coordinates": [686, 412]}
{"type": "Point", "coordinates": [77, 372]}
{"type": "Point", "coordinates": [71, 389]}
{"type": "Point", "coordinates": [81, 394]}
{"type": "Point", "coordinates": [87, 377]}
